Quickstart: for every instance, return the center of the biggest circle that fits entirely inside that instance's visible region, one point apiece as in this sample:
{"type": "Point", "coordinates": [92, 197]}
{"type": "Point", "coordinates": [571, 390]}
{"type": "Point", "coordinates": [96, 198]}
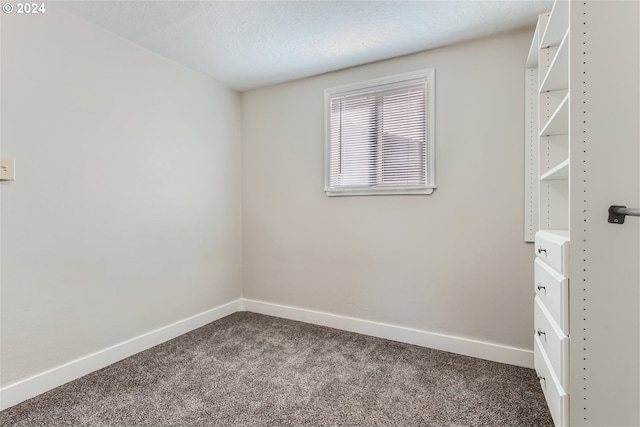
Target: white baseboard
{"type": "Point", "coordinates": [480, 349]}
{"type": "Point", "coordinates": [27, 388]}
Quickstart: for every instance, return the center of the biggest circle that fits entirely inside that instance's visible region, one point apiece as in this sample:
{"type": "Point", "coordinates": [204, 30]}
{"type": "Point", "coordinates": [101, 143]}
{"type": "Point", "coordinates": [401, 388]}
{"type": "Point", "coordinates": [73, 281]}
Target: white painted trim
{"type": "Point", "coordinates": [469, 347]}
{"type": "Point", "coordinates": [27, 388]}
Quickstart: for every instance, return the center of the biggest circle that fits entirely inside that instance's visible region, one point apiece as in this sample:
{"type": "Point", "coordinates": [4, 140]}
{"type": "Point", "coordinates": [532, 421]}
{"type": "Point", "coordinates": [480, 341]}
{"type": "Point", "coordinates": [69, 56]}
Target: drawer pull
{"type": "Point", "coordinates": [541, 332]}
{"type": "Point", "coordinates": [540, 250]}
{"type": "Point", "coordinates": [541, 378]}
{"type": "Point", "coordinates": [540, 287]}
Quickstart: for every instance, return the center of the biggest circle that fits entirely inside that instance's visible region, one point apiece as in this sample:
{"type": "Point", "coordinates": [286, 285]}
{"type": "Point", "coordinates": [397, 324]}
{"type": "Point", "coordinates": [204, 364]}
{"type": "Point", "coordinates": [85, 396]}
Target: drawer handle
{"type": "Point", "coordinates": [541, 378]}
{"type": "Point", "coordinates": [540, 250]}
{"type": "Point", "coordinates": [541, 332]}
{"type": "Point", "coordinates": [540, 287]}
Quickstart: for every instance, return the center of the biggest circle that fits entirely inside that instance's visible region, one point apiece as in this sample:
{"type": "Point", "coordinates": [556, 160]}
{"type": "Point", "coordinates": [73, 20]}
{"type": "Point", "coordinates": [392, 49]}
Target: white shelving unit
{"type": "Point", "coordinates": [553, 96]}
{"type": "Point", "coordinates": [582, 143]}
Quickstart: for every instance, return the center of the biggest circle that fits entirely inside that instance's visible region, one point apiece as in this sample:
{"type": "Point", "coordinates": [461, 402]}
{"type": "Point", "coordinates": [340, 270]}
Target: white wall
{"type": "Point", "coordinates": [452, 263]}
{"type": "Point", "coordinates": [125, 215]}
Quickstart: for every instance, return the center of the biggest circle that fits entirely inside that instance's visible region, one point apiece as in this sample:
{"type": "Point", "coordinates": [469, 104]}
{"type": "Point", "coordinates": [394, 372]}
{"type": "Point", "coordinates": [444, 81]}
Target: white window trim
{"type": "Point", "coordinates": [427, 75]}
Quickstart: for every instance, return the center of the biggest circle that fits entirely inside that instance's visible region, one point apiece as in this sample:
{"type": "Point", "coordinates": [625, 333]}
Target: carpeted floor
{"type": "Point", "coordinates": [249, 369]}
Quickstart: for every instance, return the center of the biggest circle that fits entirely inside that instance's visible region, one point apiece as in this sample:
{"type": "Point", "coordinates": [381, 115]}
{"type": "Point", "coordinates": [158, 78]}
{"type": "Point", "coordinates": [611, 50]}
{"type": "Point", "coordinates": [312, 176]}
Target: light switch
{"type": "Point", "coordinates": [7, 169]}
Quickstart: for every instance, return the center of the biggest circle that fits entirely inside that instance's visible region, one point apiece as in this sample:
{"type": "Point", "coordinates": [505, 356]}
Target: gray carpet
{"type": "Point", "coordinates": [254, 370]}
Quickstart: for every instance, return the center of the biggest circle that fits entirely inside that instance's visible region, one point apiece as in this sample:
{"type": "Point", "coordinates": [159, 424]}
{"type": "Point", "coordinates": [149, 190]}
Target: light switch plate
{"type": "Point", "coordinates": [7, 169]}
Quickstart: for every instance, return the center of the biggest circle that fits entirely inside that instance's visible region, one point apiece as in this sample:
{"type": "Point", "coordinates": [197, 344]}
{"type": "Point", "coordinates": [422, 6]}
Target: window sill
{"type": "Point", "coordinates": [379, 192]}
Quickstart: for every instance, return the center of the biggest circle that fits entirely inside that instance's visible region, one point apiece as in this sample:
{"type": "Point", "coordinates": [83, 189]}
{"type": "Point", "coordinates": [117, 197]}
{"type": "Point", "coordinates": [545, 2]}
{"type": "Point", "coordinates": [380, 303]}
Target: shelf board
{"type": "Point", "coordinates": [557, 25]}
{"type": "Point", "coordinates": [557, 77]}
{"type": "Point", "coordinates": [558, 123]}
{"type": "Point", "coordinates": [560, 171]}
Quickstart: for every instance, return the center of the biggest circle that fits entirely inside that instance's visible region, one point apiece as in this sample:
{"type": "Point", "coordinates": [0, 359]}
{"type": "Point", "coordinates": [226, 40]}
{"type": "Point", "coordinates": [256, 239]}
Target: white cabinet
{"type": "Point", "coordinates": [554, 342]}
{"type": "Point", "coordinates": [554, 393]}
{"type": "Point", "coordinates": [582, 142]}
{"type": "Point", "coordinates": [552, 289]}
{"type": "Point", "coordinates": [553, 248]}
{"type": "Point", "coordinates": [549, 62]}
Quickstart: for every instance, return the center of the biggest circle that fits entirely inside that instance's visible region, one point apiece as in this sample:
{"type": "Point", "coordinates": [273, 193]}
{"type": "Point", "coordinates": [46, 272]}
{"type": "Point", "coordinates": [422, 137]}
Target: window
{"type": "Point", "coordinates": [379, 136]}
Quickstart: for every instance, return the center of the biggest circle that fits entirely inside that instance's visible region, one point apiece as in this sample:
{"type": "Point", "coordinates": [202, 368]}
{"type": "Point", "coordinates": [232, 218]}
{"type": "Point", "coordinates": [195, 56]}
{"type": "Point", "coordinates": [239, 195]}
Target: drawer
{"type": "Point", "coordinates": [553, 291]}
{"type": "Point", "coordinates": [553, 248]}
{"type": "Point", "coordinates": [555, 395]}
{"type": "Point", "coordinates": [554, 342]}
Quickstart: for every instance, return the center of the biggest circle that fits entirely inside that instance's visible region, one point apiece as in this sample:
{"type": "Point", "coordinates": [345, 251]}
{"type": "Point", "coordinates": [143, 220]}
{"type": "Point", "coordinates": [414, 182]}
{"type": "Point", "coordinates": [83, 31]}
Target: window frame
{"type": "Point", "coordinates": [426, 76]}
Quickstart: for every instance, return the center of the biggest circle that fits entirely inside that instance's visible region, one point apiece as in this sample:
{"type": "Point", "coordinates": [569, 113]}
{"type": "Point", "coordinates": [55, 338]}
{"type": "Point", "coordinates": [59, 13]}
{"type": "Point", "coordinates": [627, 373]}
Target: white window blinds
{"type": "Point", "coordinates": [379, 138]}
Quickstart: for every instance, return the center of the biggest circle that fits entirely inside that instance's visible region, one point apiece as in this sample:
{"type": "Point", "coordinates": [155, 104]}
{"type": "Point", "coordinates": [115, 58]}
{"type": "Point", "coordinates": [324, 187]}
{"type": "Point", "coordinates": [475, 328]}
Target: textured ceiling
{"type": "Point", "coordinates": [248, 44]}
